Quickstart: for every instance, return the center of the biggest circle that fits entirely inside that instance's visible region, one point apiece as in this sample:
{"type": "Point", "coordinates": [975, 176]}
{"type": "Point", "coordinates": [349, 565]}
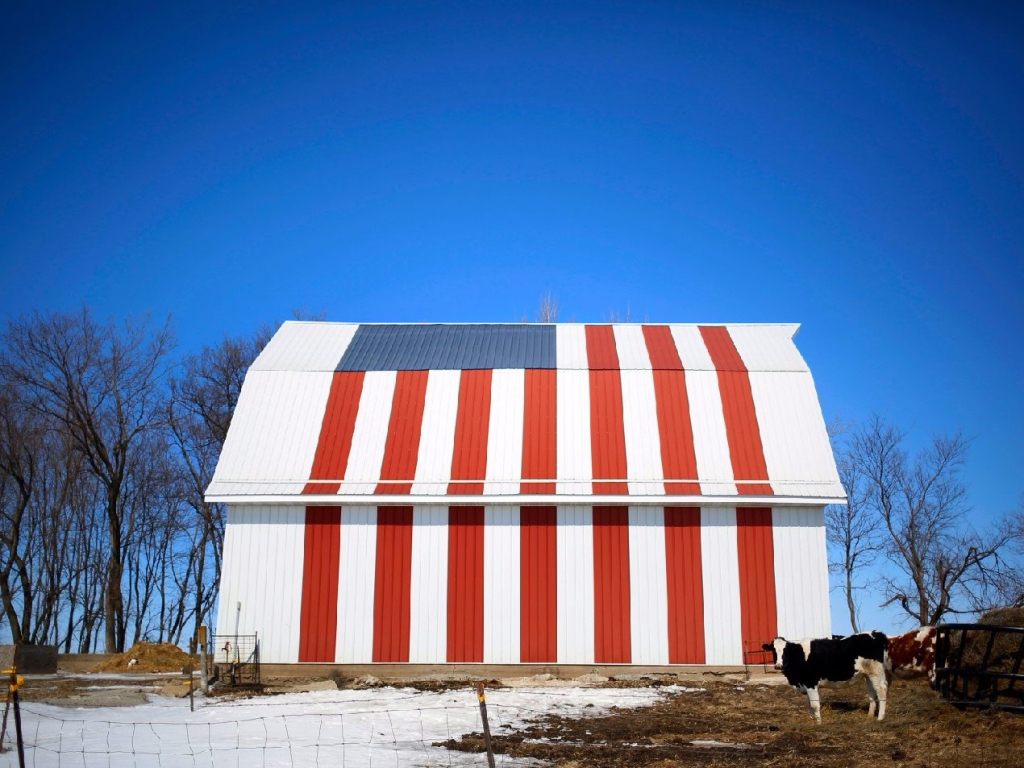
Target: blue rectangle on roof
{"type": "Point", "coordinates": [449, 347]}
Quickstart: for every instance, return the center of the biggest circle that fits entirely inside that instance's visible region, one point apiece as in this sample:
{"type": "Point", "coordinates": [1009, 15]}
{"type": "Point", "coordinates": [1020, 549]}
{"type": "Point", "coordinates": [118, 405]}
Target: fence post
{"type": "Point", "coordinates": [12, 689]}
{"type": "Point", "coordinates": [204, 684]}
{"type": "Point", "coordinates": [487, 727]}
{"type": "Point", "coordinates": [191, 676]}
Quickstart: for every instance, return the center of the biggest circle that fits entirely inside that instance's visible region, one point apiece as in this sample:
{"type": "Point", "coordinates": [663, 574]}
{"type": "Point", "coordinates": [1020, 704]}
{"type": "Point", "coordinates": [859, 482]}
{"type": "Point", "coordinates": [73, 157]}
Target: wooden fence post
{"type": "Point", "coordinates": [487, 727]}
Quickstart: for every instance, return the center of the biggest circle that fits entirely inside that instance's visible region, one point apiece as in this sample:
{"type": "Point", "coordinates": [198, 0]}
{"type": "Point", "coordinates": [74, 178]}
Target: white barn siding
{"type": "Point", "coordinates": [720, 570]}
{"type": "Point", "coordinates": [371, 431]}
{"type": "Point", "coordinates": [574, 543]}
{"type": "Point", "coordinates": [357, 570]}
{"type": "Point", "coordinates": [648, 586]}
{"type": "Point", "coordinates": [437, 437]}
{"type": "Point", "coordinates": [277, 447]}
{"type": "Point", "coordinates": [501, 585]}
{"type": "Point", "coordinates": [793, 434]}
{"type": "Point", "coordinates": [505, 432]}
{"type": "Point", "coordinates": [643, 444]}
{"type": "Point", "coordinates": [801, 572]}
{"type": "Point", "coordinates": [428, 597]}
{"type": "Point", "coordinates": [574, 456]}
{"type": "Point", "coordinates": [262, 570]}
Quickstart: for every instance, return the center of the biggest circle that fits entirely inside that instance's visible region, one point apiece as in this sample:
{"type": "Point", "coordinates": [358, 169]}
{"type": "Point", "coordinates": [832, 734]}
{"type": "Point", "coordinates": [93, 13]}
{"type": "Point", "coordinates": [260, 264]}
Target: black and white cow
{"type": "Point", "coordinates": [808, 663]}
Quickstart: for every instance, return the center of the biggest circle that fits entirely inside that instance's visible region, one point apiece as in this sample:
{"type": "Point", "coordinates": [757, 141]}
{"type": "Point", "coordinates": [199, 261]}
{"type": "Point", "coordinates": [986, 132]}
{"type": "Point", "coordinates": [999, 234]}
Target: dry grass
{"type": "Point", "coordinates": [769, 725]}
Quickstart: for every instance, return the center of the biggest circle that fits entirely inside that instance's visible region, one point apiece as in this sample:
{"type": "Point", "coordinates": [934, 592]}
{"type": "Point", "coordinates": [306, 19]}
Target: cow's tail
{"type": "Point", "coordinates": [880, 642]}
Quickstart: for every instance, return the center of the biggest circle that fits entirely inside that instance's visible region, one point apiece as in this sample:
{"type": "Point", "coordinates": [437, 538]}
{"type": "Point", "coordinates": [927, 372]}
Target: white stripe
{"type": "Point", "coordinates": [710, 442]}
{"type": "Point", "coordinates": [437, 435]}
{"type": "Point", "coordinates": [371, 432]}
{"type": "Point", "coordinates": [720, 571]}
{"type": "Point", "coordinates": [505, 432]}
{"type": "Point", "coordinates": [571, 347]}
{"type": "Point", "coordinates": [275, 427]}
{"type": "Point", "coordinates": [640, 428]}
{"type": "Point", "coordinates": [574, 543]}
{"type": "Point", "coordinates": [428, 598]}
{"type": "Point", "coordinates": [261, 578]}
{"type": "Point", "coordinates": [357, 570]}
{"type": "Point", "coordinates": [767, 347]}
{"type": "Point", "coordinates": [631, 348]}
{"type": "Point", "coordinates": [501, 585]}
{"type": "Point", "coordinates": [648, 586]}
{"type": "Point", "coordinates": [305, 346]}
{"type": "Point", "coordinates": [793, 432]}
{"type": "Point", "coordinates": [693, 352]}
{"type": "Point", "coordinates": [801, 572]}
{"type": "Point", "coordinates": [573, 432]}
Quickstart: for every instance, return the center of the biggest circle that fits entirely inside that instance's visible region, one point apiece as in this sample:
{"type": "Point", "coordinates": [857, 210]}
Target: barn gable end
{"type": "Point", "coordinates": [572, 494]}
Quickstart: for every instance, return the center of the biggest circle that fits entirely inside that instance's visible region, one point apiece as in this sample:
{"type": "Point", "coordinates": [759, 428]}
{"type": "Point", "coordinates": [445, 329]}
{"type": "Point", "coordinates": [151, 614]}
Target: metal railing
{"type": "Point", "coordinates": [979, 665]}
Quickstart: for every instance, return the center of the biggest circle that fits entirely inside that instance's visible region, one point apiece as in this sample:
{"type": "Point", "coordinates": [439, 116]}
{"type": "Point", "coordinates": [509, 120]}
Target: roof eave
{"type": "Point", "coordinates": [531, 500]}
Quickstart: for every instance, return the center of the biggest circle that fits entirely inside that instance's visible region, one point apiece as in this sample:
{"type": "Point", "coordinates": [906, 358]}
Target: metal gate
{"type": "Point", "coordinates": [979, 665]}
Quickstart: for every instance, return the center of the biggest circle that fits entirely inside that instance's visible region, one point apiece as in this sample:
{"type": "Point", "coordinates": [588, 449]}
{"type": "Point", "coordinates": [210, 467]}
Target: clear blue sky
{"type": "Point", "coordinates": [857, 168]}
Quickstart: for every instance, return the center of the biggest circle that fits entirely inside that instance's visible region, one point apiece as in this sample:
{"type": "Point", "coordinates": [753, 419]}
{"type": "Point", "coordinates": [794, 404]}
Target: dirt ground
{"type": "Point", "coordinates": [756, 724]}
{"type": "Point", "coordinates": [731, 722]}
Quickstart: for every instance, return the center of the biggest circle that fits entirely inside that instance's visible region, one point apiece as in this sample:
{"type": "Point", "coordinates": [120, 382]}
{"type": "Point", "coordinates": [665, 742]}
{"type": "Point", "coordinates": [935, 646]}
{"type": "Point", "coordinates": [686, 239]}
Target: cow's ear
{"type": "Point", "coordinates": [767, 647]}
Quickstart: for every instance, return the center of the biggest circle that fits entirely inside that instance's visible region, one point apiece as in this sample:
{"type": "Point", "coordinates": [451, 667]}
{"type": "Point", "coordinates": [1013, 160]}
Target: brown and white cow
{"type": "Point", "coordinates": [913, 653]}
{"type": "Point", "coordinates": [807, 664]}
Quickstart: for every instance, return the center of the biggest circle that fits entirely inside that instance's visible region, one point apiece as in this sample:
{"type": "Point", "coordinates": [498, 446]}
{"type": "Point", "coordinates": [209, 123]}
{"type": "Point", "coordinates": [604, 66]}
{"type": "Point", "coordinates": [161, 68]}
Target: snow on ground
{"type": "Point", "coordinates": [374, 727]}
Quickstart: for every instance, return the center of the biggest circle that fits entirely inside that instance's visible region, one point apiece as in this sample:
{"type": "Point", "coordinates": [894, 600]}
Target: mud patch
{"type": "Point", "coordinates": [766, 725]}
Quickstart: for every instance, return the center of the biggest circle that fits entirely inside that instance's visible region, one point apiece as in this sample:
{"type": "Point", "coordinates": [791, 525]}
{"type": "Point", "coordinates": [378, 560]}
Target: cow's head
{"type": "Point", "coordinates": [775, 648]}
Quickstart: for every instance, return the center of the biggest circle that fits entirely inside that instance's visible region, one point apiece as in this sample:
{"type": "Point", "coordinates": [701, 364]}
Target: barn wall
{"type": "Point", "coordinates": [262, 570]}
{"type": "Point", "coordinates": [571, 584]}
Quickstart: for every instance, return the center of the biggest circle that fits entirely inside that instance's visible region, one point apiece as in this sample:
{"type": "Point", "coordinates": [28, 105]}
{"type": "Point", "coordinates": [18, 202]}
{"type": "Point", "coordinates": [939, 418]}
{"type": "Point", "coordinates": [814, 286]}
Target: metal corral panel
{"type": "Point", "coordinates": [559, 413]}
{"type": "Point", "coordinates": [503, 584]}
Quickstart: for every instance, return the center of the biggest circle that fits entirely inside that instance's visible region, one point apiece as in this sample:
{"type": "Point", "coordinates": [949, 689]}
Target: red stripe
{"type": "Point", "coordinates": [538, 585]}
{"type": "Point", "coordinates": [758, 620]}
{"type": "Point", "coordinates": [601, 354]}
{"type": "Point", "coordinates": [393, 584]}
{"type": "Point", "coordinates": [318, 613]}
{"type": "Point", "coordinates": [339, 423]}
{"type": "Point", "coordinates": [611, 585]}
{"type": "Point", "coordinates": [314, 487]}
{"type": "Point", "coordinates": [745, 448]}
{"type": "Point", "coordinates": [675, 432]}
{"type": "Point", "coordinates": [539, 445]}
{"type": "Point", "coordinates": [469, 457]}
{"type": "Point", "coordinates": [403, 441]}
{"type": "Point", "coordinates": [466, 584]}
{"type": "Point", "coordinates": [607, 433]}
{"type": "Point", "coordinates": [661, 348]}
{"type": "Point", "coordinates": [685, 586]}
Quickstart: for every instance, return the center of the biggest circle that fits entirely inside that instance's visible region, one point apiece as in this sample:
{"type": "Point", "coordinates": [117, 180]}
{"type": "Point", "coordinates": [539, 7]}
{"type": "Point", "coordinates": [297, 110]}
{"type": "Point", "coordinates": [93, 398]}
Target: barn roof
{"type": "Point", "coordinates": [528, 413]}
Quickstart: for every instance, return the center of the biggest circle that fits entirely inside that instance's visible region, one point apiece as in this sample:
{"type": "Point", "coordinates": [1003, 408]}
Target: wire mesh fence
{"type": "Point", "coordinates": [405, 729]}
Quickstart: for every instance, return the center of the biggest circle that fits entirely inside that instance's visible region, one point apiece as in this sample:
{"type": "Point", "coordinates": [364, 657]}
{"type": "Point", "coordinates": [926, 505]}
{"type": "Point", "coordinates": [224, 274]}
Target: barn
{"type": "Point", "coordinates": [525, 494]}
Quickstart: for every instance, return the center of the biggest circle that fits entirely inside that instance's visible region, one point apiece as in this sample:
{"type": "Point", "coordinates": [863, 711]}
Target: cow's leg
{"type": "Point", "coordinates": [881, 693]}
{"type": "Point", "coordinates": [814, 704]}
{"type": "Point", "coordinates": [872, 697]}
{"type": "Point", "coordinates": [878, 689]}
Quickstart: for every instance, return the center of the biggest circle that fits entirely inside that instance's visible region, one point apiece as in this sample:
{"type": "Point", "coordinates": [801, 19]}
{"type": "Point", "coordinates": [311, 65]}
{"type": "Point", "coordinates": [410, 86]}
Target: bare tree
{"type": "Point", "coordinates": [921, 504]}
{"type": "Point", "coordinates": [548, 310]}
{"type": "Point", "coordinates": [21, 440]}
{"type": "Point", "coordinates": [851, 528]}
{"type": "Point", "coordinates": [204, 397]}
{"type": "Point", "coordinates": [103, 388]}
